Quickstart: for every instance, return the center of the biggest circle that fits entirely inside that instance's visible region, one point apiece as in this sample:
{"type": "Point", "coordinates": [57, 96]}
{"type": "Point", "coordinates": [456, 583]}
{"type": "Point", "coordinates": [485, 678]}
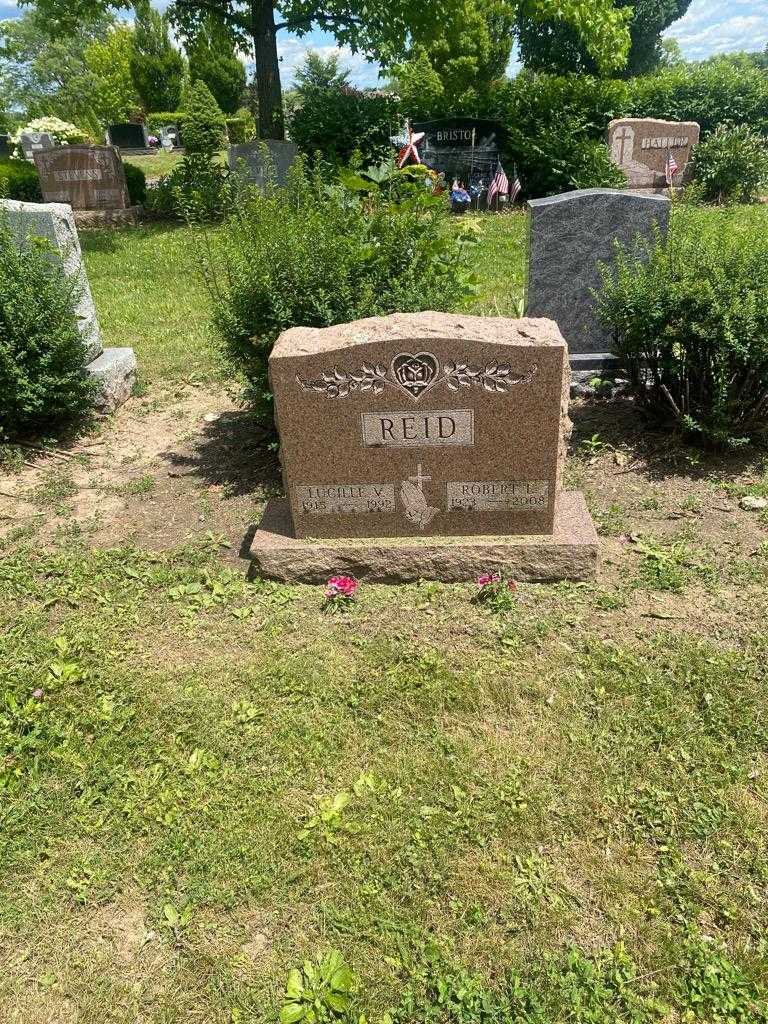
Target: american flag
{"type": "Point", "coordinates": [672, 168]}
{"type": "Point", "coordinates": [517, 188]}
{"type": "Point", "coordinates": [500, 184]}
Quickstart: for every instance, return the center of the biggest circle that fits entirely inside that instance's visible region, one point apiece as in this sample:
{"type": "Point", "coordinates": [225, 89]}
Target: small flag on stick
{"type": "Point", "coordinates": [516, 189]}
{"type": "Point", "coordinates": [672, 168]}
{"type": "Point", "coordinates": [500, 184]}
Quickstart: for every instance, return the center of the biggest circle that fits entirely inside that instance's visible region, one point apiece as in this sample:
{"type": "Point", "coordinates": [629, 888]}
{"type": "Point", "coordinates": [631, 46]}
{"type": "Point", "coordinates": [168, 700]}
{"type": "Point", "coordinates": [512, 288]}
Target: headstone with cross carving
{"type": "Point", "coordinates": [442, 437]}
{"type": "Point", "coordinates": [642, 146]}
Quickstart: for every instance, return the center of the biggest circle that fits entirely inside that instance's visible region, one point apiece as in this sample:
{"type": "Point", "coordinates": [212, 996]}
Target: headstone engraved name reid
{"type": "Point", "coordinates": [423, 446]}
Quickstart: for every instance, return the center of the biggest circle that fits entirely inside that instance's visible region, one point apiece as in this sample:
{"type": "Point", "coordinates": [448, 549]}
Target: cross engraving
{"type": "Point", "coordinates": [419, 479]}
{"type": "Point", "coordinates": [623, 137]}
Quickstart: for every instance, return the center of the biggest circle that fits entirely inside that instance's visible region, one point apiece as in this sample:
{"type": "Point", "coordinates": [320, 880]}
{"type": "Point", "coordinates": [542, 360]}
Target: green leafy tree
{"type": "Point", "coordinates": [204, 127]}
{"type": "Point", "coordinates": [157, 67]}
{"type": "Point", "coordinates": [109, 61]}
{"type": "Point", "coordinates": [556, 47]}
{"type": "Point", "coordinates": [44, 72]}
{"type": "Point", "coordinates": [384, 31]}
{"type": "Point", "coordinates": [212, 59]}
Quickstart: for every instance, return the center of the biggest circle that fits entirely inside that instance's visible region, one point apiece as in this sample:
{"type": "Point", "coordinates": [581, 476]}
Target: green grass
{"type": "Point", "coordinates": [150, 296]}
{"type": "Point", "coordinates": [157, 164]}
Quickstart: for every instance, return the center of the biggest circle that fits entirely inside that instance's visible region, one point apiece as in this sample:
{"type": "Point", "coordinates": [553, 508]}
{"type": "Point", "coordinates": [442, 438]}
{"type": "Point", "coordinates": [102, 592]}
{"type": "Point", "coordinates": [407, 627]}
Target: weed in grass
{"type": "Point", "coordinates": [53, 490]}
{"type": "Point", "coordinates": [611, 522]}
{"type": "Point", "coordinates": [670, 567]}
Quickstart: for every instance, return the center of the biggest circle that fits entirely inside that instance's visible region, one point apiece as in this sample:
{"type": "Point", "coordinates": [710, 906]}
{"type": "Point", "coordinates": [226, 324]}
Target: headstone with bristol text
{"type": "Point", "coordinates": [423, 445]}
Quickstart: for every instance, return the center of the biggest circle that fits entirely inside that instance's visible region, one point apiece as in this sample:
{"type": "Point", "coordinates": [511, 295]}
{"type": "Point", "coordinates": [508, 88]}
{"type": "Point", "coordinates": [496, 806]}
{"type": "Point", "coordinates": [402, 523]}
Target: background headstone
{"type": "Point", "coordinates": [170, 137]}
{"type": "Point", "coordinates": [641, 146]}
{"type": "Point", "coordinates": [35, 142]}
{"type": "Point", "coordinates": [249, 157]}
{"type": "Point", "coordinates": [466, 148]}
{"type": "Point", "coordinates": [86, 177]}
{"type": "Point", "coordinates": [570, 235]}
{"type": "Point", "coordinates": [112, 369]}
{"type": "Point", "coordinates": [128, 136]}
{"type": "Point", "coordinates": [56, 223]}
{"type": "Point", "coordinates": [419, 425]}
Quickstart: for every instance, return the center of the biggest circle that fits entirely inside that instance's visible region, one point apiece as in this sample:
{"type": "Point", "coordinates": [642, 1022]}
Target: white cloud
{"type": "Point", "coordinates": [720, 26]}
{"type": "Point", "coordinates": [292, 52]}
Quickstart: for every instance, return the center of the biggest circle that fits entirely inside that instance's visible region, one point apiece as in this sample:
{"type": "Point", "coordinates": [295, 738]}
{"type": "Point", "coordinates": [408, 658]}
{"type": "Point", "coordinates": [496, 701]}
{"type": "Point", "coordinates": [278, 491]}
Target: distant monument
{"type": "Point", "coordinates": [641, 147]}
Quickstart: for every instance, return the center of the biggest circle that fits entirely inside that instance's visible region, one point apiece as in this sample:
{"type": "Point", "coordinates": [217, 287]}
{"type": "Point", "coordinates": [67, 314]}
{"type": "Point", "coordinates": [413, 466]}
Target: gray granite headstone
{"type": "Point", "coordinates": [570, 235]}
{"type": "Point", "coordinates": [250, 158]}
{"type": "Point", "coordinates": [35, 142]}
{"type": "Point", "coordinates": [113, 370]}
{"type": "Point", "coordinates": [55, 222]}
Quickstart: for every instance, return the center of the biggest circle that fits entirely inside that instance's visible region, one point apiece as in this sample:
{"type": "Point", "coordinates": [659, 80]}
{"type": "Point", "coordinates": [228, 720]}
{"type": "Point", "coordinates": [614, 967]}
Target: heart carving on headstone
{"type": "Point", "coordinates": [415, 373]}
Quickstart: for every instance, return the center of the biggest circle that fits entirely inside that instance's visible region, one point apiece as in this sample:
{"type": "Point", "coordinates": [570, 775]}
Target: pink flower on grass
{"type": "Point", "coordinates": [487, 578]}
{"type": "Point", "coordinates": [38, 694]}
{"type": "Point", "coordinates": [341, 586]}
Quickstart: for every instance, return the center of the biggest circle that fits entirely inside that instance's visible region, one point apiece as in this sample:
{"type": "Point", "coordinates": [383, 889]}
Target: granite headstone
{"type": "Point", "coordinates": [86, 177]}
{"type": "Point", "coordinates": [113, 370]}
{"type": "Point", "coordinates": [249, 158]}
{"type": "Point", "coordinates": [128, 136]}
{"type": "Point", "coordinates": [641, 147]}
{"type": "Point", "coordinates": [570, 236]}
{"type": "Point", "coordinates": [35, 142]}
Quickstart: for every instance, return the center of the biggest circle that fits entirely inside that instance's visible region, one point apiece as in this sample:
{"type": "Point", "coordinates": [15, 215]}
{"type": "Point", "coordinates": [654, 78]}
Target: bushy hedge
{"type": "Point", "coordinates": [42, 381]}
{"type": "Point", "coordinates": [318, 254]}
{"type": "Point", "coordinates": [340, 121]}
{"type": "Point", "coordinates": [731, 165]}
{"type": "Point", "coordinates": [136, 180]}
{"type": "Point", "coordinates": [556, 127]}
{"type": "Point", "coordinates": [723, 90]}
{"type": "Point", "coordinates": [19, 180]}
{"type": "Point", "coordinates": [691, 324]}
{"type": "Point", "coordinates": [240, 128]}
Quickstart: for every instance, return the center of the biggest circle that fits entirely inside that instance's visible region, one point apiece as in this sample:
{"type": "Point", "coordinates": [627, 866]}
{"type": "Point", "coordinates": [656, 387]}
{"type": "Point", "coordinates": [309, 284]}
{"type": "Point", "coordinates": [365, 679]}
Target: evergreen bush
{"type": "Point", "coordinates": [690, 323]}
{"type": "Point", "coordinates": [19, 180]}
{"type": "Point", "coordinates": [136, 180]}
{"type": "Point", "coordinates": [316, 254]}
{"type": "Point", "coordinates": [42, 378]}
{"type": "Point", "coordinates": [731, 165]}
{"type": "Point", "coordinates": [204, 130]}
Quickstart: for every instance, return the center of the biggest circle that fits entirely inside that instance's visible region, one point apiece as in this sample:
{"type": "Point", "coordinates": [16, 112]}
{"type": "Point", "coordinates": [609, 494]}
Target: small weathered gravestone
{"type": "Point", "coordinates": [570, 236]}
{"type": "Point", "coordinates": [35, 142]}
{"type": "Point", "coordinates": [86, 177]}
{"type": "Point", "coordinates": [169, 136]}
{"type": "Point", "coordinates": [128, 136]}
{"type": "Point", "coordinates": [113, 369]}
{"type": "Point", "coordinates": [641, 147]}
{"type": "Point", "coordinates": [442, 437]}
{"type": "Point", "coordinates": [249, 158]}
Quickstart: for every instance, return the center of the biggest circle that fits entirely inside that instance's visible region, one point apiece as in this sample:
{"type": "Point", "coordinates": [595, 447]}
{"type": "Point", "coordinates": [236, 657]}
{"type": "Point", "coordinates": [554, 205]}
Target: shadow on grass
{"type": "Point", "coordinates": [654, 451]}
{"type": "Point", "coordinates": [113, 240]}
{"type": "Point", "coordinates": [235, 453]}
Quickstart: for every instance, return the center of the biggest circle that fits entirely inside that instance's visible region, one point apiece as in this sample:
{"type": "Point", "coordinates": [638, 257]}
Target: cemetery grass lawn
{"type": "Point", "coordinates": [205, 781]}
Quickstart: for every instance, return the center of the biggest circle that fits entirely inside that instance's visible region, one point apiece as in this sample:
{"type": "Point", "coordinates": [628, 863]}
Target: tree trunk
{"type": "Point", "coordinates": [270, 94]}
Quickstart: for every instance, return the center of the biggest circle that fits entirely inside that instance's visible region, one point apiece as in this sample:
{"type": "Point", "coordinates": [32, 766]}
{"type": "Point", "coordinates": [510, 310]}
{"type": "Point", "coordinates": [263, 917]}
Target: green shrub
{"type": "Point", "coordinates": [204, 129]}
{"type": "Point", "coordinates": [731, 165]}
{"type": "Point", "coordinates": [42, 383]}
{"type": "Point", "coordinates": [197, 190]}
{"type": "Point", "coordinates": [718, 91]}
{"type": "Point", "coordinates": [238, 130]}
{"type": "Point", "coordinates": [556, 127]}
{"type": "Point", "coordinates": [19, 180]}
{"type": "Point", "coordinates": [157, 121]}
{"type": "Point", "coordinates": [136, 181]}
{"type": "Point", "coordinates": [691, 324]}
{"type": "Point", "coordinates": [318, 254]}
{"type": "Point", "coordinates": [339, 121]}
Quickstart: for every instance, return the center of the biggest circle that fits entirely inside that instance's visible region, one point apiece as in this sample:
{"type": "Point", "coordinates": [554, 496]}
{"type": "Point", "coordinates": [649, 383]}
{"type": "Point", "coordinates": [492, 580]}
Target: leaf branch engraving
{"type": "Point", "coordinates": [493, 377]}
{"type": "Point", "coordinates": [337, 383]}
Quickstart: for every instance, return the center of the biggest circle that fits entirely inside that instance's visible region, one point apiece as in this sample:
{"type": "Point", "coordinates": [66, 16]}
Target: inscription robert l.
{"type": "Point", "coordinates": [498, 496]}
{"type": "Point", "coordinates": [345, 499]}
{"type": "Point", "coordinates": [418, 430]}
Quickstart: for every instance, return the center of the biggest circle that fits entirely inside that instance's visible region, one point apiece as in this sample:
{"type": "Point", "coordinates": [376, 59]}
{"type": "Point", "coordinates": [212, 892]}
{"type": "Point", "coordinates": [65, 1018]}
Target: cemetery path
{"type": "Point", "coordinates": [182, 464]}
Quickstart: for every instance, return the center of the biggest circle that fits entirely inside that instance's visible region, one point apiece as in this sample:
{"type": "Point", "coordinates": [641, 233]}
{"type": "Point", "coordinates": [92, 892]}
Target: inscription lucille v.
{"type": "Point", "coordinates": [415, 375]}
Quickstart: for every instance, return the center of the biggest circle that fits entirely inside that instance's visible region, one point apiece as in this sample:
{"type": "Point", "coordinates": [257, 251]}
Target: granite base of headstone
{"type": "Point", "coordinates": [424, 446]}
{"type": "Point", "coordinates": [570, 236]}
{"type": "Point", "coordinates": [642, 148]}
{"type": "Point", "coordinates": [112, 369]}
{"type": "Point", "coordinates": [249, 159]}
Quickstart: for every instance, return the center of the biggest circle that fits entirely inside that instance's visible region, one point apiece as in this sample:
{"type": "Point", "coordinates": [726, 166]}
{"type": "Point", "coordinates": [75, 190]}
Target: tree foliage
{"type": "Point", "coordinates": [109, 61]}
{"type": "Point", "coordinates": [212, 59]}
{"type": "Point", "coordinates": [204, 128]}
{"type": "Point", "coordinates": [558, 47]}
{"type": "Point", "coordinates": [157, 67]}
